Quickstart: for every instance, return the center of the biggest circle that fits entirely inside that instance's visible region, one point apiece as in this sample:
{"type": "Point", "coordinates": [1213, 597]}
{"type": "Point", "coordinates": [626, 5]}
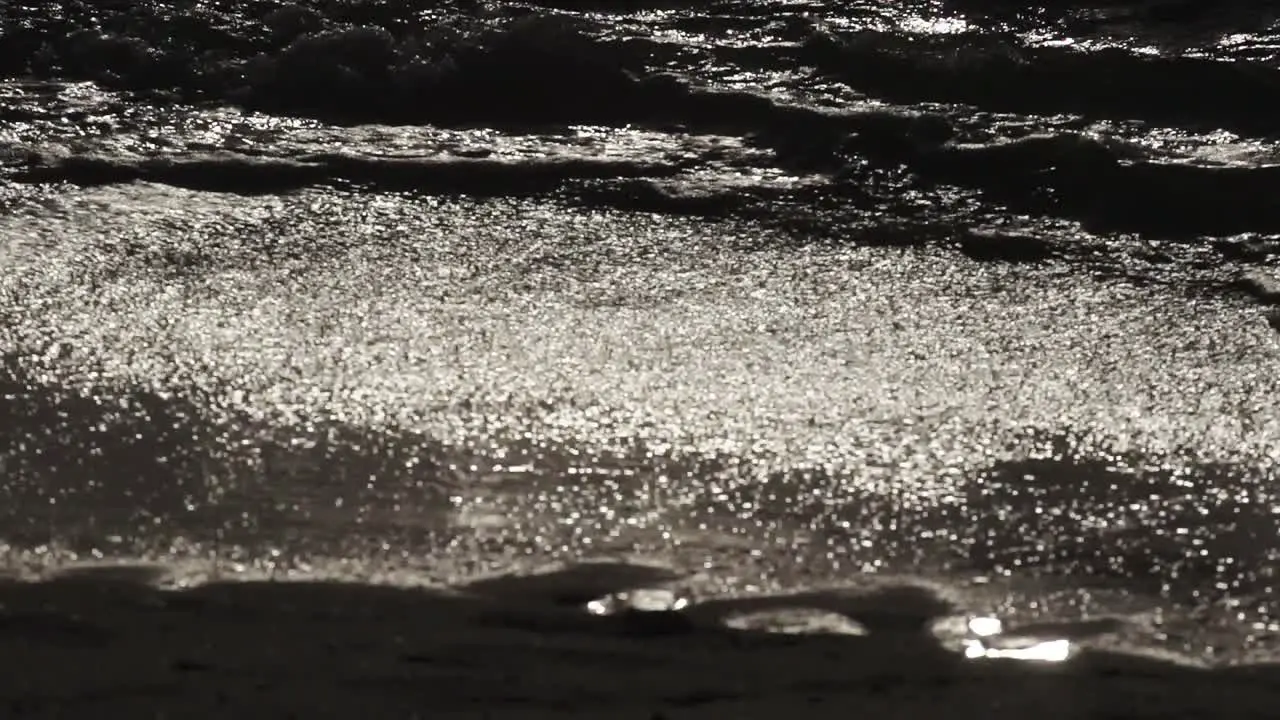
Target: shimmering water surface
{"type": "Point", "coordinates": [777, 295]}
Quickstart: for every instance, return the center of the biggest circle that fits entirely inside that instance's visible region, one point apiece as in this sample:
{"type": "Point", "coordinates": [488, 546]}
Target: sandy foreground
{"type": "Point", "coordinates": [107, 640]}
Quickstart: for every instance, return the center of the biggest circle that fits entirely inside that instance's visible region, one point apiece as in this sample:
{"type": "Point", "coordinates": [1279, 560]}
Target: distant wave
{"type": "Point", "coordinates": [1001, 73]}
{"type": "Point", "coordinates": [1107, 187]}
{"type": "Point", "coordinates": [466, 65]}
{"type": "Point", "coordinates": [238, 172]}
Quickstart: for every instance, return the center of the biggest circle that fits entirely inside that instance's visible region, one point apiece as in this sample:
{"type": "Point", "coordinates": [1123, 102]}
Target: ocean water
{"type": "Point", "coordinates": [781, 295]}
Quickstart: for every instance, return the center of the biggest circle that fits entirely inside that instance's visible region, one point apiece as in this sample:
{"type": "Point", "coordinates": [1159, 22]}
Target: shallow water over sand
{"type": "Point", "coordinates": [352, 384]}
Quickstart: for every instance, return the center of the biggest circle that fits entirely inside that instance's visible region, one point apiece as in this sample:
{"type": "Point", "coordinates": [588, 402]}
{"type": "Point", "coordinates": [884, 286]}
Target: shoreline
{"type": "Point", "coordinates": [105, 639]}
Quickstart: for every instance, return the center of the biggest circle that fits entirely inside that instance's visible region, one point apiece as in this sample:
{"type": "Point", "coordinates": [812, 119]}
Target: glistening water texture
{"type": "Point", "coordinates": [776, 297]}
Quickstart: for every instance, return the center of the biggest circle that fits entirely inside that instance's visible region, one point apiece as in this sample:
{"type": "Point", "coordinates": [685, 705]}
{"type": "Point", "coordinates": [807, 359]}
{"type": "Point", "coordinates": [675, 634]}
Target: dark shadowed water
{"type": "Point", "coordinates": [777, 294]}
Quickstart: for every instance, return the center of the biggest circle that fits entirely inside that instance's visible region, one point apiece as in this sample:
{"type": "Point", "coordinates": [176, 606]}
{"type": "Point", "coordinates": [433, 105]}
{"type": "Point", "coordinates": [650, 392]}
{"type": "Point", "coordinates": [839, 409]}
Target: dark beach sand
{"type": "Point", "coordinates": [105, 641]}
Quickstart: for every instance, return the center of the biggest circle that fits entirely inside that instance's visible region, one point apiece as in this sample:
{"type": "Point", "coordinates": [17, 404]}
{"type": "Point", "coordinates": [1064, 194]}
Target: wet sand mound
{"type": "Point", "coordinates": [106, 639]}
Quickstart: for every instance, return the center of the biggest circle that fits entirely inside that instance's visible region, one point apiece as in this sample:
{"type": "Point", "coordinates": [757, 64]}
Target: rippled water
{"type": "Point", "coordinates": [780, 296]}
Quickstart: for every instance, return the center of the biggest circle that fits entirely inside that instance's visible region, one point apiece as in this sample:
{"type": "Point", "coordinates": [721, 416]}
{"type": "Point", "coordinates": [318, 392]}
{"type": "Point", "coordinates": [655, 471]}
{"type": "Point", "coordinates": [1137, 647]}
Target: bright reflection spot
{"type": "Point", "coordinates": [936, 26]}
{"type": "Point", "coordinates": [1049, 651]}
{"type": "Point", "coordinates": [985, 626]}
{"type": "Point", "coordinates": [1235, 39]}
{"type": "Point", "coordinates": [645, 600]}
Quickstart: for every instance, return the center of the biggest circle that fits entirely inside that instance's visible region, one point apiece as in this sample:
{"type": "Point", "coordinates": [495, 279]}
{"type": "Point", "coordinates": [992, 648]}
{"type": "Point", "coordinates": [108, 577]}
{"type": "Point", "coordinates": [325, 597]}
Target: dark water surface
{"type": "Point", "coordinates": [778, 294]}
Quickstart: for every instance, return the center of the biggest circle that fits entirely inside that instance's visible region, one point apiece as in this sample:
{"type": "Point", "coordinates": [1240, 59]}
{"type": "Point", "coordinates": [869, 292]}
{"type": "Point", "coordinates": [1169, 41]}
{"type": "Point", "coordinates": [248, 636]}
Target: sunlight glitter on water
{"type": "Point", "coordinates": [1052, 651]}
{"type": "Point", "coordinates": [811, 410]}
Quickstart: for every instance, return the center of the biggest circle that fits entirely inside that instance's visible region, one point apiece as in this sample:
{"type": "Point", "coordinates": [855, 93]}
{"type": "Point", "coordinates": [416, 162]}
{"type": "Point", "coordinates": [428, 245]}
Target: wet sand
{"type": "Point", "coordinates": [104, 640]}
